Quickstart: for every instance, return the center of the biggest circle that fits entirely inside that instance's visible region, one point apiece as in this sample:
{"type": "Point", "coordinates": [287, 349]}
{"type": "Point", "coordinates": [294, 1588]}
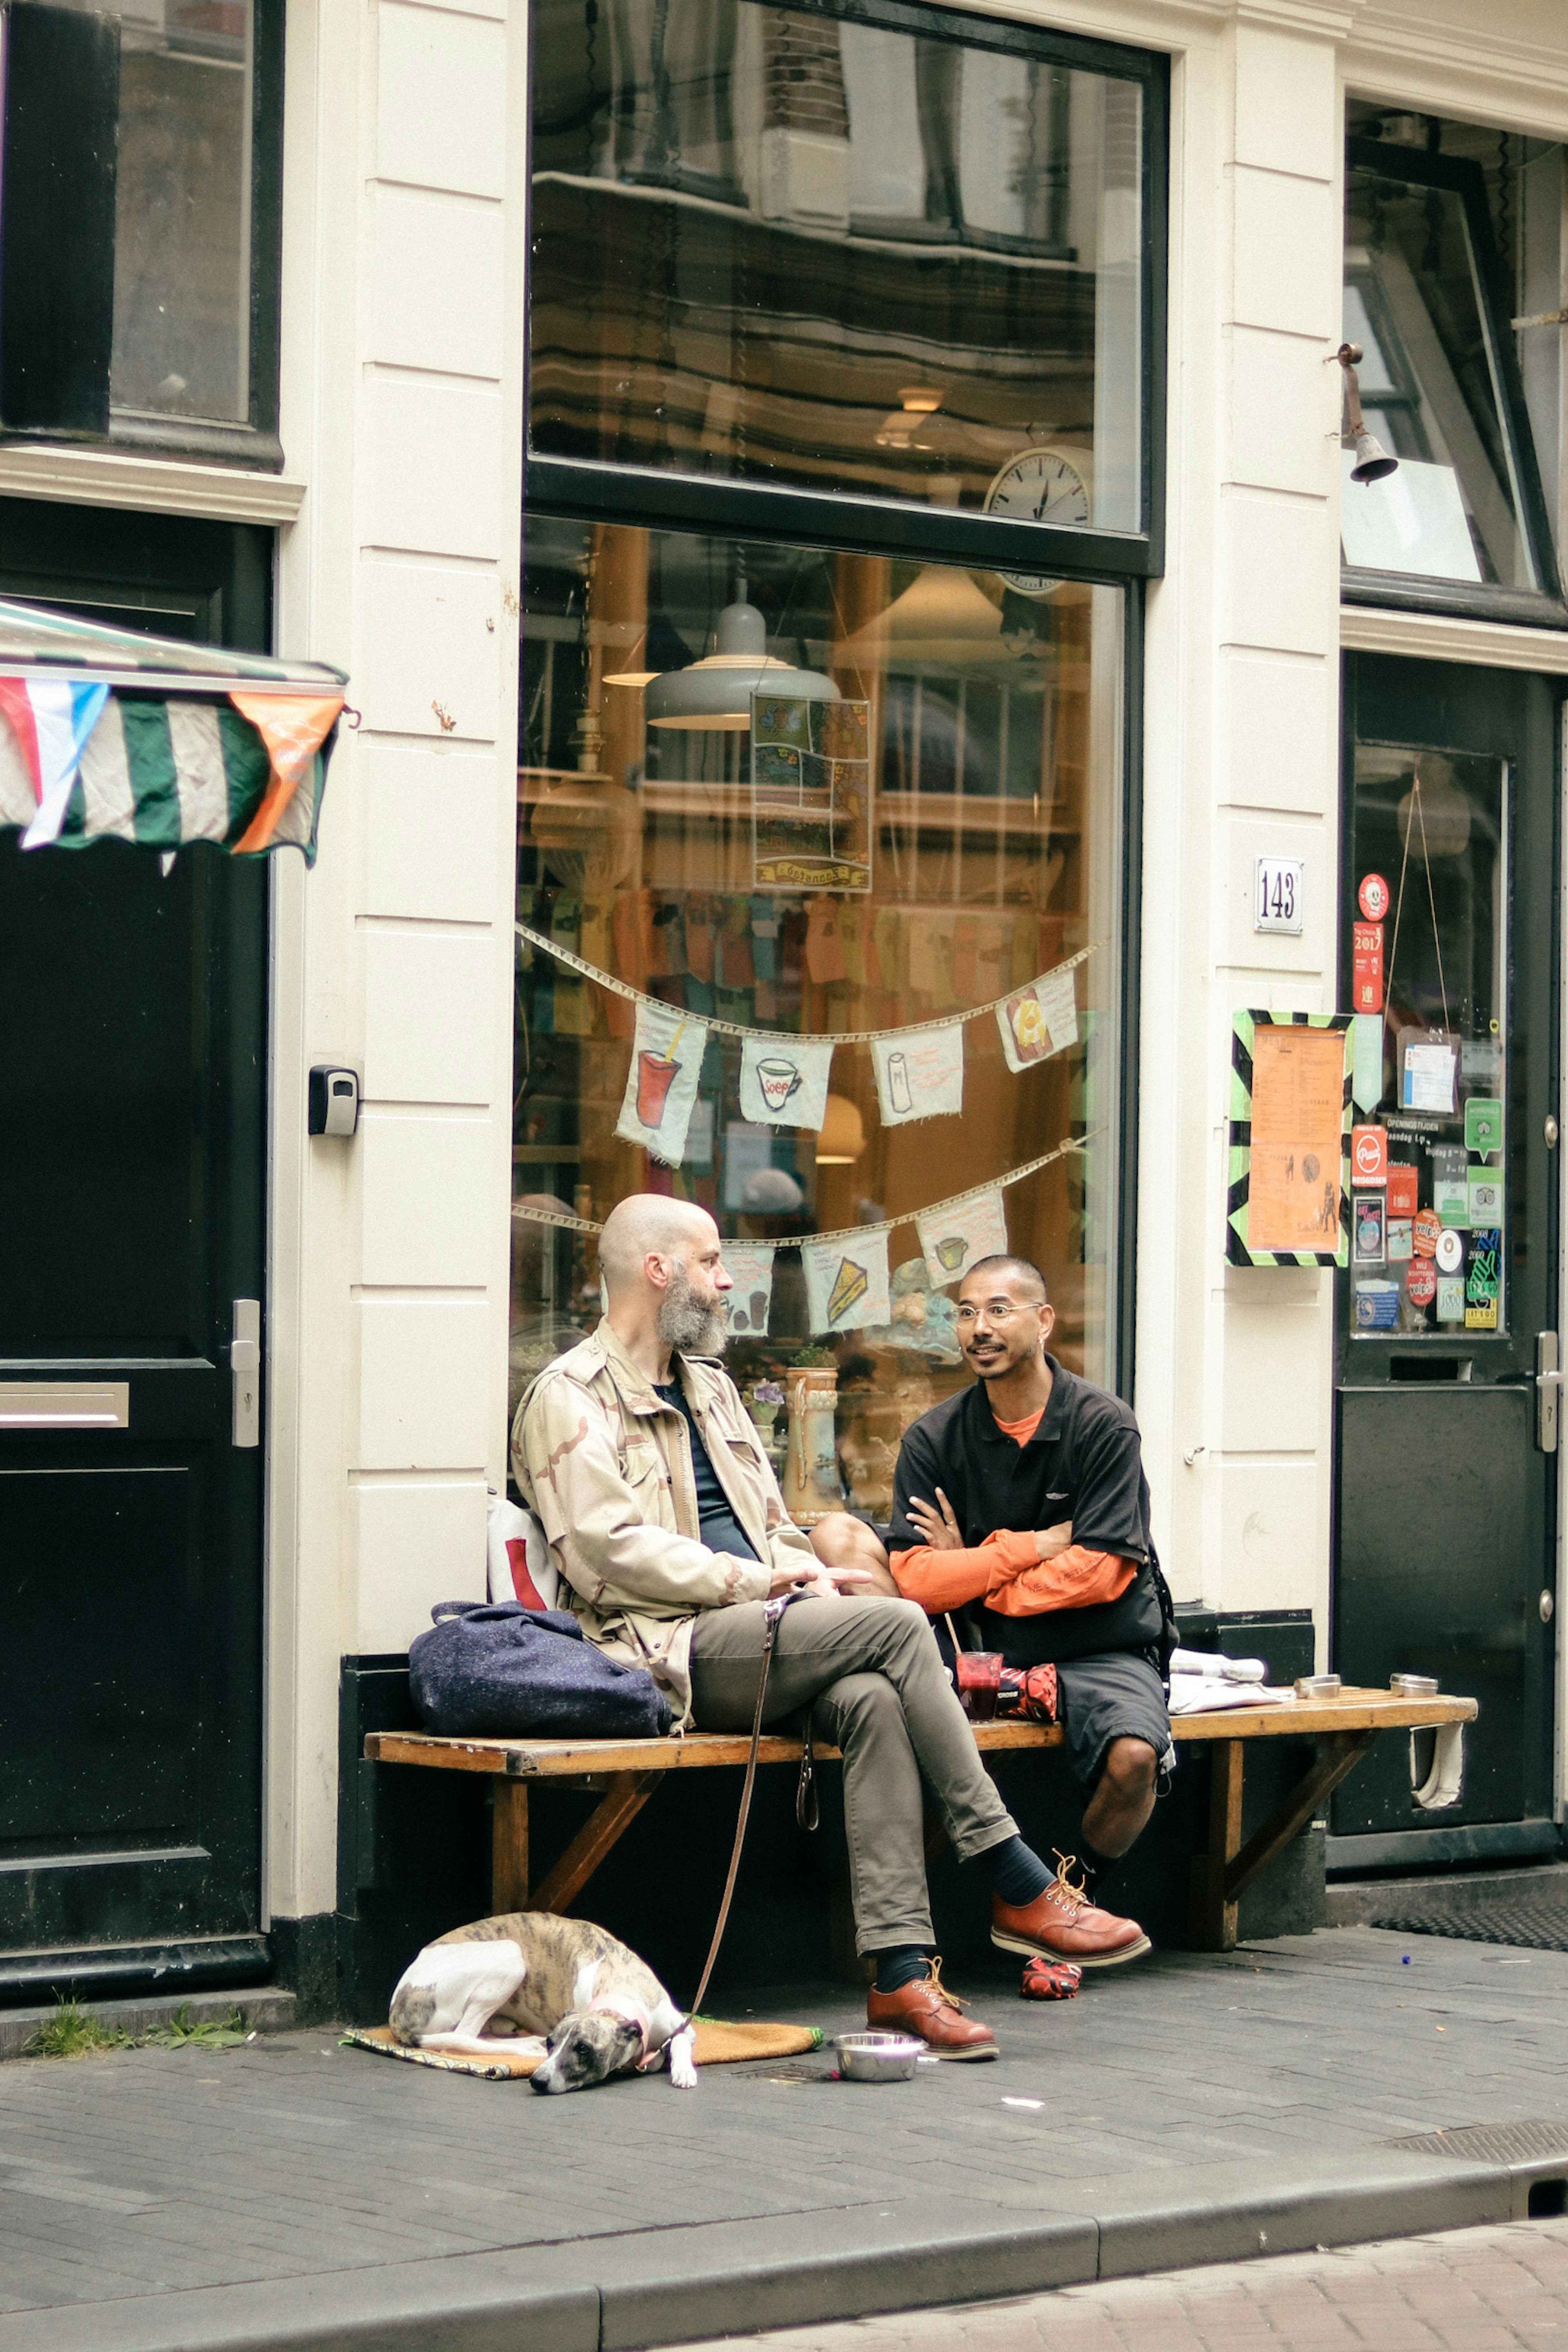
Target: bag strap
{"type": "Point", "coordinates": [772, 1611]}
{"type": "Point", "coordinates": [807, 1811]}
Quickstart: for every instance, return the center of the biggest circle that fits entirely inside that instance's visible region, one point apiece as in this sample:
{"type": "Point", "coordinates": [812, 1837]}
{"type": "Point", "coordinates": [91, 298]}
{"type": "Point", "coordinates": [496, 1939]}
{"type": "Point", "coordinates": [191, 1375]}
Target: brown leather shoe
{"type": "Point", "coordinates": [1065, 1925]}
{"type": "Point", "coordinates": [926, 2008]}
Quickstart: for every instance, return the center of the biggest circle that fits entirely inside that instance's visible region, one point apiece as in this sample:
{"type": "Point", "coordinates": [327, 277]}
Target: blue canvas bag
{"type": "Point", "coordinates": [497, 1668]}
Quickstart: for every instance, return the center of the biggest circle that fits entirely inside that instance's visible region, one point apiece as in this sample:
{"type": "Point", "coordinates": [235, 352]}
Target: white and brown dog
{"type": "Point", "coordinates": [586, 2002]}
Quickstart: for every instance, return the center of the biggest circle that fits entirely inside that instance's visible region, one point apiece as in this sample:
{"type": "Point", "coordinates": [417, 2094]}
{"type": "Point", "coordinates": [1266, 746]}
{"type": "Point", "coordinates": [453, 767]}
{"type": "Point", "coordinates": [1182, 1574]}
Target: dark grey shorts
{"type": "Point", "coordinates": [1117, 1695]}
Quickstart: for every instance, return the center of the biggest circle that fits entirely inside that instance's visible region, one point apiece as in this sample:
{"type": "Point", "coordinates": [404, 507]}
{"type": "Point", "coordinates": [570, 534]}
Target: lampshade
{"type": "Point", "coordinates": [941, 617]}
{"type": "Point", "coordinates": [716, 692]}
{"type": "Point", "coordinates": [843, 1135]}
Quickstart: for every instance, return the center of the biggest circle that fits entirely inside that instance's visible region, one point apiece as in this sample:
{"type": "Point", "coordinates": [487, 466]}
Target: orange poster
{"type": "Point", "coordinates": [1297, 1109]}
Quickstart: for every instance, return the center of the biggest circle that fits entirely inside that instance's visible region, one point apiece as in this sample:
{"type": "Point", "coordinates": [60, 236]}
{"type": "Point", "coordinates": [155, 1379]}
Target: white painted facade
{"type": "Point", "coordinates": [399, 558]}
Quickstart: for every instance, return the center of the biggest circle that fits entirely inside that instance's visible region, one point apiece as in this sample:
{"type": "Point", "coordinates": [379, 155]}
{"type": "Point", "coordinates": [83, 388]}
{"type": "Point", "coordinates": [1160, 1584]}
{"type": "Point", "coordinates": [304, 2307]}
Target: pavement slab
{"type": "Point", "coordinates": [296, 2193]}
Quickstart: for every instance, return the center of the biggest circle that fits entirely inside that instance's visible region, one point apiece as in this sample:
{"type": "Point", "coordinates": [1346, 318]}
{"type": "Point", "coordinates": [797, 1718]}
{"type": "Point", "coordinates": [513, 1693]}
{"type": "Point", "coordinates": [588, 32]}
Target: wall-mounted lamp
{"type": "Point", "coordinates": [1372, 462]}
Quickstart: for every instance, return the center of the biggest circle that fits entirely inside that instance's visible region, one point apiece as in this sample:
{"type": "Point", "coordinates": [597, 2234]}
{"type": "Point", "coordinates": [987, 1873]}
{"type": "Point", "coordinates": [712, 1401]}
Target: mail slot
{"type": "Point", "coordinates": [65, 1404]}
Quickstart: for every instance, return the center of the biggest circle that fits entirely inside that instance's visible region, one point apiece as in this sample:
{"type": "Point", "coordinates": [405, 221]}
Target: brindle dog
{"type": "Point", "coordinates": [583, 1998]}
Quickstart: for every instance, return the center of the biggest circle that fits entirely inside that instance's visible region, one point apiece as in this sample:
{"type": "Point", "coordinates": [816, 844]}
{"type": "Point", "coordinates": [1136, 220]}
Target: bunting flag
{"type": "Point", "coordinates": [783, 1081]}
{"type": "Point", "coordinates": [51, 719]}
{"type": "Point", "coordinates": [750, 1266]}
{"type": "Point", "coordinates": [919, 1075]}
{"type": "Point", "coordinates": [293, 727]}
{"type": "Point", "coordinates": [163, 773]}
{"type": "Point", "coordinates": [1039, 1020]}
{"type": "Point", "coordinates": [661, 1084]}
{"type": "Point", "coordinates": [847, 1281]}
{"type": "Point", "coordinates": [953, 1240]}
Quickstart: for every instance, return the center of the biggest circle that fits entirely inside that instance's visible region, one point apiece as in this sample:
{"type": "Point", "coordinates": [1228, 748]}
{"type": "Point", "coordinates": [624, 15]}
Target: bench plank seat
{"type": "Point", "coordinates": [628, 1771]}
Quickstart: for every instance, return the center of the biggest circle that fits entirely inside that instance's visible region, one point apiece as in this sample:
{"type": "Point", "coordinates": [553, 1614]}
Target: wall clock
{"type": "Point", "coordinates": [1040, 485]}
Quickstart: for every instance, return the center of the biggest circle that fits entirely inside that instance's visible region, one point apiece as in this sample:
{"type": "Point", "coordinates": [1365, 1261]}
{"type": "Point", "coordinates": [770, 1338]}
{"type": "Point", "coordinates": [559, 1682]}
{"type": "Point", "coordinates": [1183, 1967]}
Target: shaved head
{"type": "Point", "coordinates": [1021, 1271]}
{"type": "Point", "coordinates": [649, 1225]}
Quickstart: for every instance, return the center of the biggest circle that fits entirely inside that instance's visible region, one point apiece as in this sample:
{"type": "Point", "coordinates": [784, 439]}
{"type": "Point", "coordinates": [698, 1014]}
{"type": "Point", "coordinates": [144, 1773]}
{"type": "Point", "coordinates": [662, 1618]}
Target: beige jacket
{"type": "Point", "coordinates": [607, 1464]}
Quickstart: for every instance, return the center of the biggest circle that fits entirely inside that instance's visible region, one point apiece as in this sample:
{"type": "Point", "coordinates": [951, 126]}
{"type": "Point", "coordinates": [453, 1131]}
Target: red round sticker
{"type": "Point", "coordinates": [1421, 1282]}
{"type": "Point", "coordinates": [1425, 1226]}
{"type": "Point", "coordinates": [1374, 897]}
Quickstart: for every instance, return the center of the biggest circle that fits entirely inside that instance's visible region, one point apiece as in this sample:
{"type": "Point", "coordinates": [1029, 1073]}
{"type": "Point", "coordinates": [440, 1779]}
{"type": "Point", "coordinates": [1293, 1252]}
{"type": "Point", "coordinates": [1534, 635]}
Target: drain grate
{"type": "Point", "coordinates": [1533, 1916]}
{"type": "Point", "coordinates": [1493, 2143]}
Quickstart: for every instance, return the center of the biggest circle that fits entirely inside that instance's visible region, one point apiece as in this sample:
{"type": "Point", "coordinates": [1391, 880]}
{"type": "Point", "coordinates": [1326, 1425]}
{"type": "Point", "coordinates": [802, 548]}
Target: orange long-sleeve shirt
{"type": "Point", "coordinates": [1005, 1572]}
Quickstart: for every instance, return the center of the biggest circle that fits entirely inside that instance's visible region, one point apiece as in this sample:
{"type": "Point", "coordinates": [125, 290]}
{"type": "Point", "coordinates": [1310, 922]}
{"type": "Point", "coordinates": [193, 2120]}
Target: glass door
{"type": "Point", "coordinates": [1444, 1558]}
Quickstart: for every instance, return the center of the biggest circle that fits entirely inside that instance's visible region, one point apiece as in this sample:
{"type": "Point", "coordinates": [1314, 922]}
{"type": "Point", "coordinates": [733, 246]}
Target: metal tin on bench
{"type": "Point", "coordinates": [1414, 1685]}
{"type": "Point", "coordinates": [1317, 1686]}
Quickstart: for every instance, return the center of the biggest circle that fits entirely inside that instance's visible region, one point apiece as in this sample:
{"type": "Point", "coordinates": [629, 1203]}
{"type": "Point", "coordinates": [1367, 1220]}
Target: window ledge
{"type": "Point", "coordinates": [1434, 636]}
{"type": "Point", "coordinates": [103, 477]}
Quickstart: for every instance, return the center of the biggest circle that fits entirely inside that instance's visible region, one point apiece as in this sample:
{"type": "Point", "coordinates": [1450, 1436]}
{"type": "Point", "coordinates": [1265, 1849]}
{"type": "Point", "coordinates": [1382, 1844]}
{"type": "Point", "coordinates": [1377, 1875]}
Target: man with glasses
{"type": "Point", "coordinates": [1021, 1514]}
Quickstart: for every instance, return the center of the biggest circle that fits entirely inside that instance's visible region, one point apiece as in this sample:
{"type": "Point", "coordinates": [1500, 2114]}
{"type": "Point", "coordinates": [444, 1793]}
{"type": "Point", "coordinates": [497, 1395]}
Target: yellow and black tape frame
{"type": "Point", "coordinates": [1238, 1248]}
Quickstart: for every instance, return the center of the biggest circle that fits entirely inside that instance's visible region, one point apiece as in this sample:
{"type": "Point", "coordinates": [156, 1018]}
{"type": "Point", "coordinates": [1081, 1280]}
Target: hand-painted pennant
{"type": "Point", "coordinates": [51, 719]}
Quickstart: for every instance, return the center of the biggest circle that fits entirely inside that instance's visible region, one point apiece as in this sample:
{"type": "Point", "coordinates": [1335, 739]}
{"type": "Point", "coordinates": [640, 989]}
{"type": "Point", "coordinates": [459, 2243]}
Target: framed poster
{"type": "Point", "coordinates": [1287, 1195]}
{"type": "Point", "coordinates": [811, 793]}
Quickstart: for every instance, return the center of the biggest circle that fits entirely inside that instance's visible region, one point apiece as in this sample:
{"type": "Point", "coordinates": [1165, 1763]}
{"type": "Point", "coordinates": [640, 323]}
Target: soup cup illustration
{"type": "Point", "coordinates": [779, 1079]}
{"type": "Point", "coordinates": [655, 1076]}
{"type": "Point", "coordinates": [951, 1252]}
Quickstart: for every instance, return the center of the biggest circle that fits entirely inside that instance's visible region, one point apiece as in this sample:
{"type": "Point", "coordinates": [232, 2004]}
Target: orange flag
{"type": "Point", "coordinates": [293, 727]}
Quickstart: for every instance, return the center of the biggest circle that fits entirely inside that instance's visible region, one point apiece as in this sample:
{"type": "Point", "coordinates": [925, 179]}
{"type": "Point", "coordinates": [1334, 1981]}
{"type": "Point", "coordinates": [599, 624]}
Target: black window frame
{"type": "Point", "coordinates": [1543, 607]}
{"type": "Point", "coordinates": [253, 442]}
{"type": "Point", "coordinates": [599, 491]}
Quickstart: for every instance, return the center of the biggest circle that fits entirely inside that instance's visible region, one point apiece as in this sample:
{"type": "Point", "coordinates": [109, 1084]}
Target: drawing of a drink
{"type": "Point", "coordinates": [898, 1093]}
{"type": "Point", "coordinates": [655, 1076]}
{"type": "Point", "coordinates": [779, 1079]}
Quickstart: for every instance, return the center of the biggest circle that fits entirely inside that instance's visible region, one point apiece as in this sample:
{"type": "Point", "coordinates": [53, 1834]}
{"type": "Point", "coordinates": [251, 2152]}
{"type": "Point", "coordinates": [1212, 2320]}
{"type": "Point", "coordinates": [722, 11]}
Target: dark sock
{"type": "Point", "coordinates": [1017, 1873]}
{"type": "Point", "coordinates": [898, 1965]}
{"type": "Point", "coordinates": [1093, 1866]}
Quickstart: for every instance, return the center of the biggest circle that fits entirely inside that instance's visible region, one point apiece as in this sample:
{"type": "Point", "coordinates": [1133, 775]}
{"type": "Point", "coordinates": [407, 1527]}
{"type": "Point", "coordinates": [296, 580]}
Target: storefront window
{"type": "Point", "coordinates": [789, 794]}
{"type": "Point", "coordinates": [1427, 300]}
{"type": "Point", "coordinates": [1431, 1233]}
{"type": "Point", "coordinates": [783, 247]}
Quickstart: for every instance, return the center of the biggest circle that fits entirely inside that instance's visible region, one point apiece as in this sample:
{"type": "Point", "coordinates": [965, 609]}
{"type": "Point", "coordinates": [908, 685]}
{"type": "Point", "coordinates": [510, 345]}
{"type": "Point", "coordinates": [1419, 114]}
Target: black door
{"type": "Point", "coordinates": [1445, 1504]}
{"type": "Point", "coordinates": [132, 1198]}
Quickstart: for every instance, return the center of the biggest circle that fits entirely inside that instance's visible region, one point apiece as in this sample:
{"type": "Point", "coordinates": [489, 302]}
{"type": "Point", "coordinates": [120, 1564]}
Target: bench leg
{"type": "Point", "coordinates": [625, 1797]}
{"type": "Point", "coordinates": [1213, 1914]}
{"type": "Point", "coordinates": [1338, 1757]}
{"type": "Point", "coordinates": [508, 1847]}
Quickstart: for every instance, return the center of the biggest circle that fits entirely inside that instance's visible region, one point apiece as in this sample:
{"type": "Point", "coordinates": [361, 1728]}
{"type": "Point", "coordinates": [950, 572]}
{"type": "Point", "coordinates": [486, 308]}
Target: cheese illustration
{"type": "Point", "coordinates": [850, 1283]}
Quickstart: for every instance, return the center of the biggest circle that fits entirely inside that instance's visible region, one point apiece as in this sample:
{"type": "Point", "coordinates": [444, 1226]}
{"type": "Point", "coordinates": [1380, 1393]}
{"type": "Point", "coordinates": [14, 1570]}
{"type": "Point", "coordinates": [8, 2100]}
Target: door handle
{"type": "Point", "coordinates": [1548, 1381]}
{"type": "Point", "coordinates": [244, 1368]}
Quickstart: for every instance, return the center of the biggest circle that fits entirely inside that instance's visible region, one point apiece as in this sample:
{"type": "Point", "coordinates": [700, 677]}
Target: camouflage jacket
{"type": "Point", "coordinates": [607, 1464]}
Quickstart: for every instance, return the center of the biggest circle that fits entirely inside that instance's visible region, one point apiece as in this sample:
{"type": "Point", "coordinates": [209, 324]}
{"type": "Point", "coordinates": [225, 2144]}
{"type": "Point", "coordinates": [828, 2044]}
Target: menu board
{"type": "Point", "coordinates": [1290, 1112]}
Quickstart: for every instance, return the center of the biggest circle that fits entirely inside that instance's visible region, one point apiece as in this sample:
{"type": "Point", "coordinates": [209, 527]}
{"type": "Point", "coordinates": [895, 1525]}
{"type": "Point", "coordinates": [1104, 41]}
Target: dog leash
{"type": "Point", "coordinates": [772, 1611]}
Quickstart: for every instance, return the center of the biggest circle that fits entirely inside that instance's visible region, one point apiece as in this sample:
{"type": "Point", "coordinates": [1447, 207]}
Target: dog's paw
{"type": "Point", "coordinates": [683, 2067]}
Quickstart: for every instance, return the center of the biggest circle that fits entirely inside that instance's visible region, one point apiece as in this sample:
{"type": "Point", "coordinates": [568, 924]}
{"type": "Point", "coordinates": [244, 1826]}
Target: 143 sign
{"type": "Point", "coordinates": [1278, 896]}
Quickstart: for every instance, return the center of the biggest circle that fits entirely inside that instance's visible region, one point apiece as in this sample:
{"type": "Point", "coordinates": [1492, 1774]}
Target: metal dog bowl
{"type": "Point", "coordinates": [878, 2057]}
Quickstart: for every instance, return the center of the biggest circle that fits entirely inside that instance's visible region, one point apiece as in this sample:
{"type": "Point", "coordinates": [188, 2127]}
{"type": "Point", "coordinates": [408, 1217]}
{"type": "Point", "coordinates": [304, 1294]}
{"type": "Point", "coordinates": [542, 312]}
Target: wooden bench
{"type": "Point", "coordinates": [625, 1772]}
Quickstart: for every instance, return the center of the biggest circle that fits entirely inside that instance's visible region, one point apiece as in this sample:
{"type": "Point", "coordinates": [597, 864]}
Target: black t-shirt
{"type": "Point", "coordinates": [721, 1530]}
{"type": "Point", "coordinates": [1083, 1464]}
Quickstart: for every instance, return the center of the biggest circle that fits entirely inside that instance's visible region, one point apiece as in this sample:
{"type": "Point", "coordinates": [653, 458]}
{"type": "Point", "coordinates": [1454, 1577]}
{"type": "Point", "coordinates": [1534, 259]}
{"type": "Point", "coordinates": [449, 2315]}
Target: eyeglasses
{"type": "Point", "coordinates": [996, 1310]}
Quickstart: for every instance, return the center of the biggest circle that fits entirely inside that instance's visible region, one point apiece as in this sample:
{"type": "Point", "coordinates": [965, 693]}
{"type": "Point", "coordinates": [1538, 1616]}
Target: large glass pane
{"type": "Point", "coordinates": [987, 810]}
{"type": "Point", "coordinates": [1432, 1229]}
{"type": "Point", "coordinates": [181, 253]}
{"type": "Point", "coordinates": [1430, 389]}
{"type": "Point", "coordinates": [784, 247]}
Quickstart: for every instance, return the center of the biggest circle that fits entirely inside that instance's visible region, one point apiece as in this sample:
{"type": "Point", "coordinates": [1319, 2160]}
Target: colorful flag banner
{"type": "Point", "coordinates": [918, 1075]}
{"type": "Point", "coordinates": [783, 1081]}
{"type": "Point", "coordinates": [955, 1239]}
{"type": "Point", "coordinates": [661, 1084]}
{"type": "Point", "coordinates": [750, 1266]}
{"type": "Point", "coordinates": [846, 1282]}
{"type": "Point", "coordinates": [51, 719]}
{"type": "Point", "coordinates": [293, 728]}
{"type": "Point", "coordinates": [1039, 1020]}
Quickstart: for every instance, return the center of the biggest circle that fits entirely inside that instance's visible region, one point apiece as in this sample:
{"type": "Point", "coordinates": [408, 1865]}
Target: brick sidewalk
{"type": "Point", "coordinates": [1466, 2291]}
{"type": "Point", "coordinates": [1182, 2110]}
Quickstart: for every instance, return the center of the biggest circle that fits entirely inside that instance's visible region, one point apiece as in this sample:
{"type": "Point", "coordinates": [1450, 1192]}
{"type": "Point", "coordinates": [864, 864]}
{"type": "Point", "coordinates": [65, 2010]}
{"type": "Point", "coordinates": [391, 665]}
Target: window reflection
{"type": "Point", "coordinates": [994, 744]}
{"type": "Point", "coordinates": [777, 246]}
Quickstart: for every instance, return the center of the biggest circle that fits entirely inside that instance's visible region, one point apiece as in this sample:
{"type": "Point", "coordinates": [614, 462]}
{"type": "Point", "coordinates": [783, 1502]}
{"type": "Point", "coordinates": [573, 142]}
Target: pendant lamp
{"type": "Point", "coordinates": [842, 1137]}
{"type": "Point", "coordinates": [716, 693]}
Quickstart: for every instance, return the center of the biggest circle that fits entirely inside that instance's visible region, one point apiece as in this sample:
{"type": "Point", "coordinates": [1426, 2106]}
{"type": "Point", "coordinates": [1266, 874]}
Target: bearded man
{"type": "Point", "coordinates": [663, 1513]}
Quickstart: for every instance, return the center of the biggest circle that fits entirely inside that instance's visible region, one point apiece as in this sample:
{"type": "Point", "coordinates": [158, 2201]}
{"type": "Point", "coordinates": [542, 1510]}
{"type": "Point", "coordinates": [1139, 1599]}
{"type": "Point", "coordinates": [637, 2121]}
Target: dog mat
{"type": "Point", "coordinates": [718, 2043]}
